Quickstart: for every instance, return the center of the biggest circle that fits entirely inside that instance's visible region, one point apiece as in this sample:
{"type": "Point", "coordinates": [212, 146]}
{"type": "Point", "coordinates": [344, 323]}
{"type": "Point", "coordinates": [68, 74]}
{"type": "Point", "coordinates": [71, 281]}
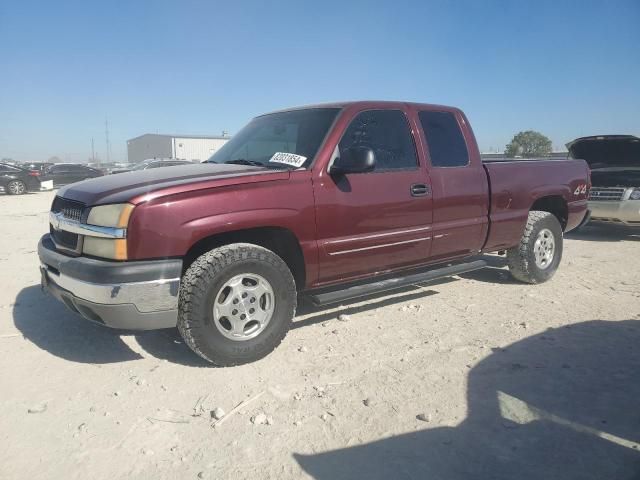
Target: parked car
{"type": "Point", "coordinates": [153, 163]}
{"type": "Point", "coordinates": [615, 175]}
{"type": "Point", "coordinates": [331, 202]}
{"type": "Point", "coordinates": [66, 173]}
{"type": "Point", "coordinates": [17, 181]}
{"type": "Point", "coordinates": [37, 166]}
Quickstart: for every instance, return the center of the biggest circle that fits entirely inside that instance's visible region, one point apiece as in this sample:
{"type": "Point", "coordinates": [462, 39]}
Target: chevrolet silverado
{"type": "Point", "coordinates": [329, 202]}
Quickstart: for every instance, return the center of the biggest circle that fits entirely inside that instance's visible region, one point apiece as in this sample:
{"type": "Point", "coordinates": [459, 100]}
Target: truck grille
{"type": "Point", "coordinates": [604, 194]}
{"type": "Point", "coordinates": [71, 210]}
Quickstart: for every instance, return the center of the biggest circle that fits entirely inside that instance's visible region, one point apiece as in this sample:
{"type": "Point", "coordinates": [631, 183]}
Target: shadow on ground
{"type": "Point", "coordinates": [496, 271]}
{"type": "Point", "coordinates": [560, 405]}
{"type": "Point", "coordinates": [52, 327]}
{"type": "Point", "coordinates": [321, 314]}
{"type": "Point", "coordinates": [605, 233]}
{"type": "Point", "coordinates": [48, 324]}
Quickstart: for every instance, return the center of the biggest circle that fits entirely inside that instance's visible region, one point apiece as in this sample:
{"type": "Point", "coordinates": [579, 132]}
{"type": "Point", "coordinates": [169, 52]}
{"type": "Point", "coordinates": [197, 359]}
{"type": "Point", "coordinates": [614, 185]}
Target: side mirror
{"type": "Point", "coordinates": [354, 160]}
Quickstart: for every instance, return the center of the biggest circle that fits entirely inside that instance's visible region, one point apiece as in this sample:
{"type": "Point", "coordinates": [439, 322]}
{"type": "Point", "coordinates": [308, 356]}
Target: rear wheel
{"type": "Point", "coordinates": [16, 187]}
{"type": "Point", "coordinates": [236, 304]}
{"type": "Point", "coordinates": [536, 258]}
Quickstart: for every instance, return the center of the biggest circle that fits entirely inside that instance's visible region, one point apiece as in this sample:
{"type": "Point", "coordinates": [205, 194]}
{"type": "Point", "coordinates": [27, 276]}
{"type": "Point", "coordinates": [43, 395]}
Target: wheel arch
{"type": "Point", "coordinates": [555, 205]}
{"type": "Point", "coordinates": [281, 241]}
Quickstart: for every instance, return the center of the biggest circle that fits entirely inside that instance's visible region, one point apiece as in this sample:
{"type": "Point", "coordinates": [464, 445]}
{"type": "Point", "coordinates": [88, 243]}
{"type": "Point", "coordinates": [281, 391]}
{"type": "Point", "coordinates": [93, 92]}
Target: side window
{"type": "Point", "coordinates": [445, 141]}
{"type": "Point", "coordinates": [387, 133]}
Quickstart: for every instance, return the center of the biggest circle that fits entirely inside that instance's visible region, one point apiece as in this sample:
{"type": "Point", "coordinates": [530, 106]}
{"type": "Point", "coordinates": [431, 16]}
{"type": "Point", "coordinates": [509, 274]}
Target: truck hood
{"type": "Point", "coordinates": [606, 151]}
{"type": "Point", "coordinates": [139, 186]}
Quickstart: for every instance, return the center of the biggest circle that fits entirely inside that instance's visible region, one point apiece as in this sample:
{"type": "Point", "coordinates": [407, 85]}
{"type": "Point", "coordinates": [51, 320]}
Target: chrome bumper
{"type": "Point", "coordinates": [625, 212]}
{"type": "Point", "coordinates": [150, 296]}
{"type": "Point", "coordinates": [128, 295]}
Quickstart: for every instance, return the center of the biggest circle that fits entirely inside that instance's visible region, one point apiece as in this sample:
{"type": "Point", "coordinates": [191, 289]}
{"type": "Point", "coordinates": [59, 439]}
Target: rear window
{"type": "Point", "coordinates": [445, 141]}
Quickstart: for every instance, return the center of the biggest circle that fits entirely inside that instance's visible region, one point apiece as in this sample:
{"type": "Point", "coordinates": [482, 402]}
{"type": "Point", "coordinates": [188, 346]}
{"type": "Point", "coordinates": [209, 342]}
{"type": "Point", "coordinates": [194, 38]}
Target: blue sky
{"type": "Point", "coordinates": [565, 68]}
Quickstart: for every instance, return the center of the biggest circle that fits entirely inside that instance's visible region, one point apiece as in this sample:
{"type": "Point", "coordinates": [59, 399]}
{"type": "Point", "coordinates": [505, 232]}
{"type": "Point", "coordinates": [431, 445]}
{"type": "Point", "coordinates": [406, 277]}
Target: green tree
{"type": "Point", "coordinates": [529, 144]}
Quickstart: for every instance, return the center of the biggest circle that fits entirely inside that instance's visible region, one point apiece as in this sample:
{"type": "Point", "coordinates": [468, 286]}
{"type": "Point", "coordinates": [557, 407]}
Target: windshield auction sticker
{"type": "Point", "coordinates": [288, 159]}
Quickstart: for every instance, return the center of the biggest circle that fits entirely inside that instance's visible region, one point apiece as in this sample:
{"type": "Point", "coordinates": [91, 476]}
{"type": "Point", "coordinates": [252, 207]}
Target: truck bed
{"type": "Point", "coordinates": [514, 186]}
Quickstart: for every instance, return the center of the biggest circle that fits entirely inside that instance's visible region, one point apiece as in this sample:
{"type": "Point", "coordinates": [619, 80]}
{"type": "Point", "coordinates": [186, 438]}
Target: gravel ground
{"type": "Point", "coordinates": [474, 377]}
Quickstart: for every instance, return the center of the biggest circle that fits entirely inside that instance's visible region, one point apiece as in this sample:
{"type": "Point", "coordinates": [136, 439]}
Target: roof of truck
{"type": "Point", "coordinates": [366, 104]}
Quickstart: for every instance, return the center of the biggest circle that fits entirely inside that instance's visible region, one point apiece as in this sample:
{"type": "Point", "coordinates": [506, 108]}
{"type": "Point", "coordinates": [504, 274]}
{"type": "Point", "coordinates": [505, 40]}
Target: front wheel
{"type": "Point", "coordinates": [236, 304]}
{"type": "Point", "coordinates": [536, 258]}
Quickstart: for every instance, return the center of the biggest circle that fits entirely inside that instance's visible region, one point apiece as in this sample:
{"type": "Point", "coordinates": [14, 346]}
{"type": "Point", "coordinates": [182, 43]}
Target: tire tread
{"type": "Point", "coordinates": [519, 257]}
{"type": "Point", "coordinates": [193, 289]}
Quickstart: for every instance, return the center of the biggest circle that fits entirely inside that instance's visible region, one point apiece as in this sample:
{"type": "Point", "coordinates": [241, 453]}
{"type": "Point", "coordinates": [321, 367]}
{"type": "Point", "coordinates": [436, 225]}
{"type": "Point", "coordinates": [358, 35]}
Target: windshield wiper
{"type": "Point", "coordinates": [242, 161]}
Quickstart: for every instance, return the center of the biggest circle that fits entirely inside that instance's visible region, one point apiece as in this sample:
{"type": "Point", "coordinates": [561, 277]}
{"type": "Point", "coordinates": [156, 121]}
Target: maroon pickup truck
{"type": "Point", "coordinates": [331, 202]}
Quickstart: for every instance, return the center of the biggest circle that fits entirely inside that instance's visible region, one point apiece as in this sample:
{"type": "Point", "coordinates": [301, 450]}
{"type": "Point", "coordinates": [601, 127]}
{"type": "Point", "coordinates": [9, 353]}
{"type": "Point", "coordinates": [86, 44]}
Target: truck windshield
{"type": "Point", "coordinates": [279, 140]}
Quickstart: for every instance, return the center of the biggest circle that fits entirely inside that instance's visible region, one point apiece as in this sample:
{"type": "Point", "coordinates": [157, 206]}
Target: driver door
{"type": "Point", "coordinates": [378, 220]}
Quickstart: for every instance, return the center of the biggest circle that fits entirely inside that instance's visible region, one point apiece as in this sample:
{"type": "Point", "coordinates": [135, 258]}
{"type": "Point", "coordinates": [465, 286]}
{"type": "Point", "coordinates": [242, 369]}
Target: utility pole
{"type": "Point", "coordinates": [106, 134]}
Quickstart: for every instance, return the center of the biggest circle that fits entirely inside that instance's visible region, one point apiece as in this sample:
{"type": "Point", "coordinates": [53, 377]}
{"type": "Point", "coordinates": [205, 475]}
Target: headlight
{"type": "Point", "coordinates": [635, 194]}
{"type": "Point", "coordinates": [113, 248]}
{"type": "Point", "coordinates": [116, 215]}
{"type": "Point", "coordinates": [110, 216]}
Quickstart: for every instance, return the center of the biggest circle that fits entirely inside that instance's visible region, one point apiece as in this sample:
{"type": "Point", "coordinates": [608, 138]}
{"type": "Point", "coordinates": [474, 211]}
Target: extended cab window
{"type": "Point", "coordinates": [387, 133]}
{"type": "Point", "coordinates": [279, 140]}
{"type": "Point", "coordinates": [445, 141]}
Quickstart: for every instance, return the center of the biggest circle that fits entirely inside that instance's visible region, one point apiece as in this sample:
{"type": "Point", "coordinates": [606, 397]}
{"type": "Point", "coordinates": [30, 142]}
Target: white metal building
{"type": "Point", "coordinates": [183, 147]}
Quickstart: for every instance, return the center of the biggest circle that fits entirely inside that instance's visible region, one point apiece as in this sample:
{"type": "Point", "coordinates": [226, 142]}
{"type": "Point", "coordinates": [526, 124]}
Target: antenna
{"type": "Point", "coordinates": [106, 135]}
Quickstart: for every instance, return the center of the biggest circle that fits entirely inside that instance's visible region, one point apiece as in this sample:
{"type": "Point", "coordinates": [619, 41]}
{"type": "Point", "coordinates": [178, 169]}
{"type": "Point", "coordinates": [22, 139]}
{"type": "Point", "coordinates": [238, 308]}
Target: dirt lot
{"type": "Point", "coordinates": [509, 380]}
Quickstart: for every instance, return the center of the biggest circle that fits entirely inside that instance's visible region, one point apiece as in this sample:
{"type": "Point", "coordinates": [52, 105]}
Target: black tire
{"type": "Point", "coordinates": [203, 281]}
{"type": "Point", "coordinates": [521, 258]}
{"type": "Point", "coordinates": [16, 187]}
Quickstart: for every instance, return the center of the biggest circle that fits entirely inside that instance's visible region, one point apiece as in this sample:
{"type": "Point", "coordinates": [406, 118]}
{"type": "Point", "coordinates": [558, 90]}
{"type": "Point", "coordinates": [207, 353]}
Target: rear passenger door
{"type": "Point", "coordinates": [80, 172]}
{"type": "Point", "coordinates": [59, 174]}
{"type": "Point", "coordinates": [459, 184]}
{"type": "Point", "coordinates": [372, 222]}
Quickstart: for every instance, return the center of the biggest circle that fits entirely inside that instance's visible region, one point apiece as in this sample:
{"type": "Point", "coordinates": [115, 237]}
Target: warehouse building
{"type": "Point", "coordinates": [196, 148]}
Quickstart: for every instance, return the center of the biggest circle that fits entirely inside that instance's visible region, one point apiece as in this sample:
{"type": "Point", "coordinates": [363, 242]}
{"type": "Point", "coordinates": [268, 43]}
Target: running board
{"type": "Point", "coordinates": [356, 291]}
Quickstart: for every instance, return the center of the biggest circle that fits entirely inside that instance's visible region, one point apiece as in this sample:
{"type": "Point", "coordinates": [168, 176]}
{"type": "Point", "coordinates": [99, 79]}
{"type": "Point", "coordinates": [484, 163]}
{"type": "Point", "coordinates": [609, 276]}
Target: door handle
{"type": "Point", "coordinates": [420, 190]}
